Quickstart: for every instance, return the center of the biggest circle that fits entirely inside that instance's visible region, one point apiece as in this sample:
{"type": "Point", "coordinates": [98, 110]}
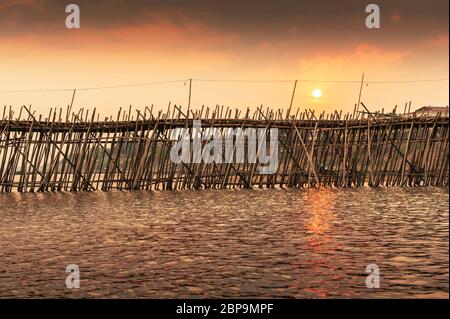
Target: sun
{"type": "Point", "coordinates": [316, 93]}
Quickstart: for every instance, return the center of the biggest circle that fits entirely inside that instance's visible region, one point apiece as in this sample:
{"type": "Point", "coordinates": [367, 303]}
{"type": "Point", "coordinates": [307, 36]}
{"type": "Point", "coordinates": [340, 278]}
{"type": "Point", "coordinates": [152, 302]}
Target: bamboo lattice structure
{"type": "Point", "coordinates": [79, 152]}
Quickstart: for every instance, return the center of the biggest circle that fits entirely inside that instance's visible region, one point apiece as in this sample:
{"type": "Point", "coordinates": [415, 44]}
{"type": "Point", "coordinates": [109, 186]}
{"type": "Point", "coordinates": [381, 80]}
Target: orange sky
{"type": "Point", "coordinates": [144, 41]}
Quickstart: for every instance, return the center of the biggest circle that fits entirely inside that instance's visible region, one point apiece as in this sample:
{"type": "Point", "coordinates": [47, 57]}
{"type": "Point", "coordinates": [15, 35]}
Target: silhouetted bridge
{"type": "Point", "coordinates": [83, 153]}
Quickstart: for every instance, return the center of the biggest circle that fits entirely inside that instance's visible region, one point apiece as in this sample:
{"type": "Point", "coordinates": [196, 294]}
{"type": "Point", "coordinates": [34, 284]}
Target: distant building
{"type": "Point", "coordinates": [431, 111]}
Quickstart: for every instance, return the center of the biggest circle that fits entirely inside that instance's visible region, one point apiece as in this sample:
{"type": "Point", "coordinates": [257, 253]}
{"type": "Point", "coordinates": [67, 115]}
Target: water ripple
{"type": "Point", "coordinates": [313, 243]}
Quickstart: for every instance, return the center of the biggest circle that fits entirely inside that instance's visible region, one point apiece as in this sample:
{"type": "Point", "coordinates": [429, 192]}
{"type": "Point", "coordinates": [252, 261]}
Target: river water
{"type": "Point", "coordinates": [311, 243]}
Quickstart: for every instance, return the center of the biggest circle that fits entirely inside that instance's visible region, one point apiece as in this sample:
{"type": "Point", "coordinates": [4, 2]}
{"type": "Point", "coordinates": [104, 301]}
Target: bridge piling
{"type": "Point", "coordinates": [77, 152]}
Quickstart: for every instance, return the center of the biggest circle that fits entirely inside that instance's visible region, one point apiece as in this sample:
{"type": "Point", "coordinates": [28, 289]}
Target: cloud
{"type": "Point", "coordinates": [250, 16]}
{"type": "Point", "coordinates": [171, 39]}
{"type": "Point", "coordinates": [6, 4]}
{"type": "Point", "coordinates": [395, 17]}
{"type": "Point", "coordinates": [319, 35]}
{"type": "Point", "coordinates": [439, 41]}
{"type": "Point", "coordinates": [363, 57]}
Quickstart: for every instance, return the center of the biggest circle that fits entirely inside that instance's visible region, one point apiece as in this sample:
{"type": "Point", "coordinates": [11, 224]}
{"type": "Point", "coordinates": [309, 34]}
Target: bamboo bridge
{"type": "Point", "coordinates": [65, 151]}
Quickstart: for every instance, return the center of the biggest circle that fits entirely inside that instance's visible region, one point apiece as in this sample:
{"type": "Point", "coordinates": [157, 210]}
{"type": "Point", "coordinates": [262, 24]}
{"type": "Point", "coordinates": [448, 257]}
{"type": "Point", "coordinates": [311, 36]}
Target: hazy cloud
{"type": "Point", "coordinates": [252, 16]}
